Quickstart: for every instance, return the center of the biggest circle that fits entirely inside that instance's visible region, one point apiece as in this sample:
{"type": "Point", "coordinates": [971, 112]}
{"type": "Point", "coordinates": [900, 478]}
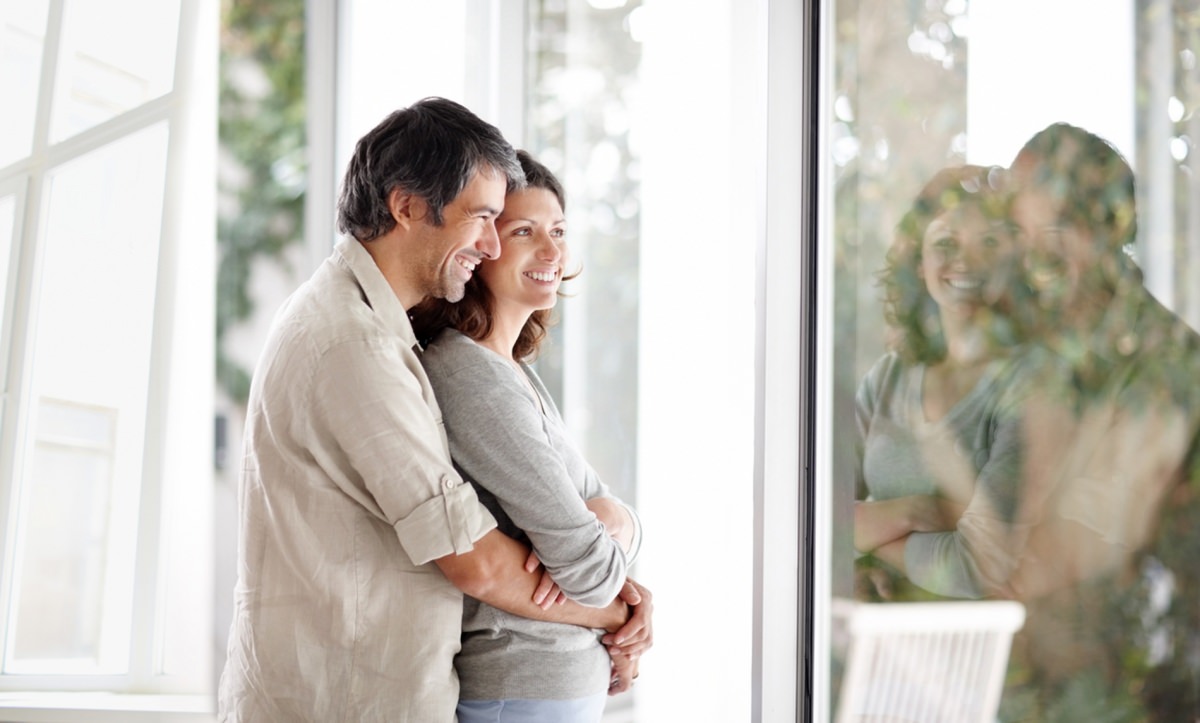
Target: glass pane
{"type": "Point", "coordinates": [116, 55]}
{"type": "Point", "coordinates": [585, 63]}
{"type": "Point", "coordinates": [585, 66]}
{"type": "Point", "coordinates": [1014, 250]}
{"type": "Point", "coordinates": [671, 431]}
{"type": "Point", "coordinates": [22, 35]}
{"type": "Point", "coordinates": [91, 366]}
{"type": "Point", "coordinates": [58, 604]}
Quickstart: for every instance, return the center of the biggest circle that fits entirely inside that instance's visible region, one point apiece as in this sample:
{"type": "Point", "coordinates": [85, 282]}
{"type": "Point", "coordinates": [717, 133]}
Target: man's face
{"type": "Point", "coordinates": [1061, 260]}
{"type": "Point", "coordinates": [446, 255]}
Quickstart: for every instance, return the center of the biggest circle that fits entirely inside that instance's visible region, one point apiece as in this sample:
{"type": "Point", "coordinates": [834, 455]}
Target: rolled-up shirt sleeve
{"type": "Point", "coordinates": [384, 422]}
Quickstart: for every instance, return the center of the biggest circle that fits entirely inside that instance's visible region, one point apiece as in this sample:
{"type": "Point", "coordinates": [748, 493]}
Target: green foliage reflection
{"type": "Point", "coordinates": [263, 167]}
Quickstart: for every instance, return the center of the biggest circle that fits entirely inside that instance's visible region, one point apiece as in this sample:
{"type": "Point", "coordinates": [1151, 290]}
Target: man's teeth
{"type": "Point", "coordinates": [1045, 277]}
{"type": "Point", "coordinates": [541, 275]}
{"type": "Point", "coordinates": [467, 264]}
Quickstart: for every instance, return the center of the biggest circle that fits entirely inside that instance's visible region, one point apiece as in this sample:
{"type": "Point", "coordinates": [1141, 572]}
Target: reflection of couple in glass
{"type": "Point", "coordinates": [1030, 431]}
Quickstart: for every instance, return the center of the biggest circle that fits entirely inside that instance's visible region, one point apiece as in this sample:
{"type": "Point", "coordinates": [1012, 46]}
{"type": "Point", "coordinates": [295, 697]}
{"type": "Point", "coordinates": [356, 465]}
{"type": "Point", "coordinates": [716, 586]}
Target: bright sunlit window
{"type": "Point", "coordinates": [106, 231]}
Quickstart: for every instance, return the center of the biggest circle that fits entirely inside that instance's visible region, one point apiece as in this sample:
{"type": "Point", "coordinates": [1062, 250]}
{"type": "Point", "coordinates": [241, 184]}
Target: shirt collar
{"type": "Point", "coordinates": [376, 290]}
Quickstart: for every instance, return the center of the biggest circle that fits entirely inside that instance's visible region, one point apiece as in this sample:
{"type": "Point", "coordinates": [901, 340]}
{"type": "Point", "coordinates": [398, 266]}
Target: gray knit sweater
{"type": "Point", "coordinates": [973, 455]}
{"type": "Point", "coordinates": [516, 450]}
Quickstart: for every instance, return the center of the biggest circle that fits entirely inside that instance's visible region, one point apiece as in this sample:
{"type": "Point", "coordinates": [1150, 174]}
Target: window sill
{"type": "Point", "coordinates": [59, 707]}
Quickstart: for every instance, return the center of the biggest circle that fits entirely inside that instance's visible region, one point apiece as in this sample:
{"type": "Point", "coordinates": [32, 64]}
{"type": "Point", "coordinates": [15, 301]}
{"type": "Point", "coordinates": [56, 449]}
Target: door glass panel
{"type": "Point", "coordinates": [108, 64]}
{"type": "Point", "coordinates": [1013, 246]}
{"type": "Point", "coordinates": [78, 492]}
{"type": "Point", "coordinates": [22, 35]}
{"type": "Point", "coordinates": [581, 109]}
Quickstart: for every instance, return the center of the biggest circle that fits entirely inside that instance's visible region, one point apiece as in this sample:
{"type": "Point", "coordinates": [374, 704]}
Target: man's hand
{"type": "Point", "coordinates": [636, 636]}
{"type": "Point", "coordinates": [624, 672]}
{"type": "Point", "coordinates": [628, 643]}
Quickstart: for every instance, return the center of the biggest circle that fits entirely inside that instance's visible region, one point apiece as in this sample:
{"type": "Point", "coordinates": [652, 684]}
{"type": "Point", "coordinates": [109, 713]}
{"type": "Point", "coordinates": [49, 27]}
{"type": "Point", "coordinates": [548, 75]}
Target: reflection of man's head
{"type": "Point", "coordinates": [1075, 213]}
{"type": "Point", "coordinates": [950, 262]}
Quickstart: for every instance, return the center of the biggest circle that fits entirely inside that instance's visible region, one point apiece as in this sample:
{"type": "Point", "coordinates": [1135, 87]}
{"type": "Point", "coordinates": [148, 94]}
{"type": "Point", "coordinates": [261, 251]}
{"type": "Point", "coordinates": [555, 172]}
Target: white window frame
{"type": "Point", "coordinates": [179, 425]}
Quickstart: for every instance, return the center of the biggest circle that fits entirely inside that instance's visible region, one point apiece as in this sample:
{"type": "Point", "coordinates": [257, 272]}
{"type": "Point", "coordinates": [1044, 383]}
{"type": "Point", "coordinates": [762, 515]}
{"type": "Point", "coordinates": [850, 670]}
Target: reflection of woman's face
{"type": "Point", "coordinates": [965, 260]}
{"type": "Point", "coordinates": [533, 251]}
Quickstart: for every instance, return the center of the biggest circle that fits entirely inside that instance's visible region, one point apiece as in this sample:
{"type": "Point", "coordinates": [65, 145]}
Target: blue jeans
{"type": "Point", "coordinates": [577, 710]}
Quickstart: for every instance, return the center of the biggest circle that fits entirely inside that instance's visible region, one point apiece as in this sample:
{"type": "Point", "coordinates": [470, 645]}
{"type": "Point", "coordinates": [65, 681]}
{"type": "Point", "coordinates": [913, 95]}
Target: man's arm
{"type": "Point", "coordinates": [494, 572]}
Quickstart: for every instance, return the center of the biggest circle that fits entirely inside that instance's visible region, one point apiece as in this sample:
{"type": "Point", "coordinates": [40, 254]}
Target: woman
{"type": "Point", "coordinates": [507, 437]}
{"type": "Point", "coordinates": [940, 428]}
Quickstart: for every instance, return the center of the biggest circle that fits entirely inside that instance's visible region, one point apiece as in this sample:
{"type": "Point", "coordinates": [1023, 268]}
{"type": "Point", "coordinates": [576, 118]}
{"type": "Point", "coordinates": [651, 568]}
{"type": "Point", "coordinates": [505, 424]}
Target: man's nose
{"type": "Point", "coordinates": [489, 243]}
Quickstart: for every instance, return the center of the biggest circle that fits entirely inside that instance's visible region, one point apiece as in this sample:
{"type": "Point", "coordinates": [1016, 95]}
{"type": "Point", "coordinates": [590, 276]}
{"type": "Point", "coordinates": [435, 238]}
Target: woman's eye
{"type": "Point", "coordinates": [558, 233]}
{"type": "Point", "coordinates": [523, 231]}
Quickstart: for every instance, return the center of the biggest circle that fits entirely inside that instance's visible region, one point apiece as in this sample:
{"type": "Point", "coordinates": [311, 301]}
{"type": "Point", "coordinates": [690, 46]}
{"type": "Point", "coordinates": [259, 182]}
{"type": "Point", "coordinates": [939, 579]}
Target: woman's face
{"type": "Point", "coordinates": [533, 253]}
{"type": "Point", "coordinates": [966, 260]}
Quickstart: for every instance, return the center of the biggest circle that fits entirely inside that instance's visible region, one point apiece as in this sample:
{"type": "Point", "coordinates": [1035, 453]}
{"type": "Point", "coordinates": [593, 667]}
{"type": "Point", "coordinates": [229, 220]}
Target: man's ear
{"type": "Point", "coordinates": [405, 207]}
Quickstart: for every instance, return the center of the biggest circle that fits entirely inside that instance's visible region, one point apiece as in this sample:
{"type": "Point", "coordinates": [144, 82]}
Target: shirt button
{"type": "Point", "coordinates": [447, 483]}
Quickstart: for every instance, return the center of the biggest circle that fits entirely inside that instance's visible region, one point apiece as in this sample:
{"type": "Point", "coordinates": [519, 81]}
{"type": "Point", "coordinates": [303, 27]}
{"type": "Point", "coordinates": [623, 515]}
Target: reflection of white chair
{"type": "Point", "coordinates": [924, 662]}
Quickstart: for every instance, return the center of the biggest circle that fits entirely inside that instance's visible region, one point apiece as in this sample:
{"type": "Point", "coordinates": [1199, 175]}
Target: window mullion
{"type": "Point", "coordinates": [50, 56]}
{"type": "Point", "coordinates": [16, 349]}
{"type": "Point", "coordinates": [17, 394]}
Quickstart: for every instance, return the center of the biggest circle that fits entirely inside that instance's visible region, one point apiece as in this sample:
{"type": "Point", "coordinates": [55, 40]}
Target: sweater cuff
{"type": "Point", "coordinates": [635, 545]}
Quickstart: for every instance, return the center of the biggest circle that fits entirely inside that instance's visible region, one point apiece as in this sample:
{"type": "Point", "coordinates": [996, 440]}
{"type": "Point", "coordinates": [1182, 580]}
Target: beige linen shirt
{"type": "Point", "coordinates": [347, 494]}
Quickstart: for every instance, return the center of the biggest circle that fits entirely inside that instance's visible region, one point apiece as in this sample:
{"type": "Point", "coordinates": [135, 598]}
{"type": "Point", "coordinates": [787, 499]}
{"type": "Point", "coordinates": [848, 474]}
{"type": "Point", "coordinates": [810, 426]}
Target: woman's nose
{"type": "Point", "coordinates": [981, 253]}
{"type": "Point", "coordinates": [550, 249]}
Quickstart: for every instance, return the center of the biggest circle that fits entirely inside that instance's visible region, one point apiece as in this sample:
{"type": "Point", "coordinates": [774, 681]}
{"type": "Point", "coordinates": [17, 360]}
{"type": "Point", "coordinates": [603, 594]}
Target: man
{"type": "Point", "coordinates": [358, 538]}
{"type": "Point", "coordinates": [1111, 445]}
